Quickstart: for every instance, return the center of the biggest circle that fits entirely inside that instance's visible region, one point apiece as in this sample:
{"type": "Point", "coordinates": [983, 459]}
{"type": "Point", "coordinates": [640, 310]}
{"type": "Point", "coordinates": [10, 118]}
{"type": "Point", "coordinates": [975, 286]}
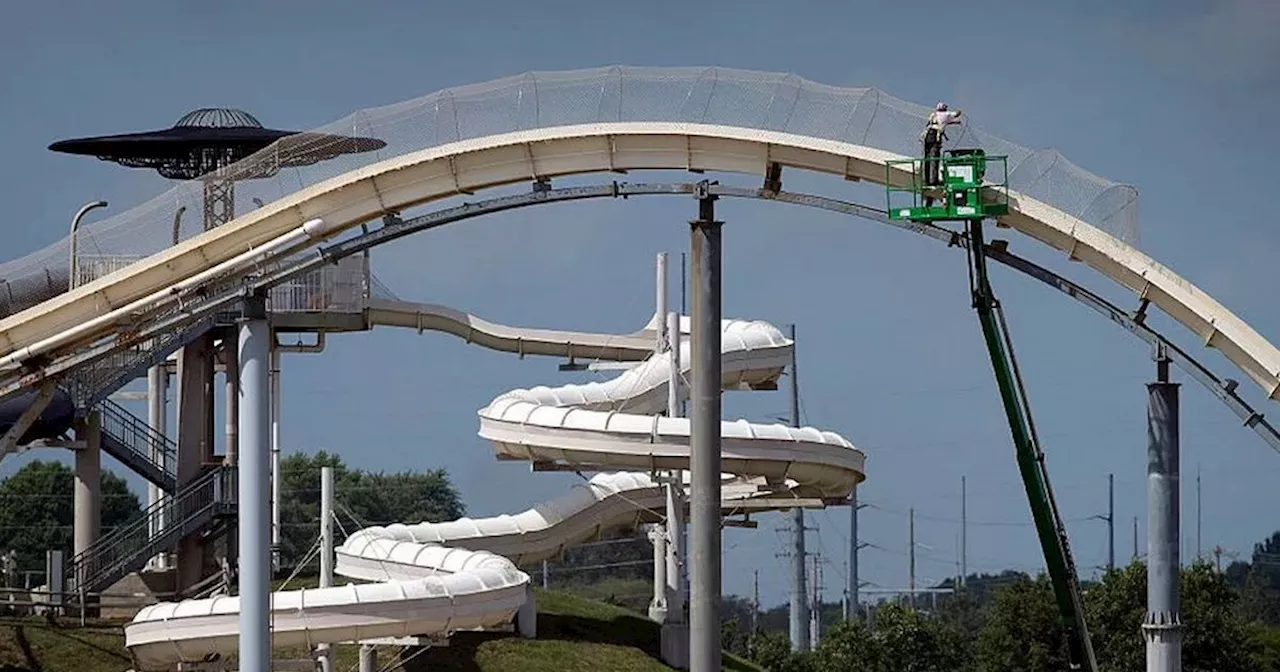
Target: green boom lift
{"type": "Point", "coordinates": [965, 195]}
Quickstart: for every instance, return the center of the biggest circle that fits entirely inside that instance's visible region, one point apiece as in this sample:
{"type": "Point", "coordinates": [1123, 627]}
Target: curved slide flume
{"type": "Point", "coordinates": [423, 580]}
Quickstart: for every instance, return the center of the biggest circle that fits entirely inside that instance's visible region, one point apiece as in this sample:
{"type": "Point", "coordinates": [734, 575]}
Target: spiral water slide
{"type": "Point", "coordinates": [430, 578]}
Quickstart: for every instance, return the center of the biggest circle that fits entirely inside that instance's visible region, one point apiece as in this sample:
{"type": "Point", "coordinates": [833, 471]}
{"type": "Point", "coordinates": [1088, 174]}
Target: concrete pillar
{"type": "Point", "coordinates": [254, 470]}
{"type": "Point", "coordinates": [231, 362]}
{"type": "Point", "coordinates": [88, 491]}
{"type": "Point", "coordinates": [1162, 626]}
{"type": "Point", "coordinates": [194, 433]}
{"type": "Point", "coordinates": [88, 485]}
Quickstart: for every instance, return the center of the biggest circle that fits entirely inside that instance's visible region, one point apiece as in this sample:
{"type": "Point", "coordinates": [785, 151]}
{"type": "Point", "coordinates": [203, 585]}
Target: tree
{"type": "Point", "coordinates": [773, 652]}
{"type": "Point", "coordinates": [372, 499]}
{"type": "Point", "coordinates": [1214, 637]}
{"type": "Point", "coordinates": [848, 645]}
{"type": "Point", "coordinates": [1023, 630]}
{"type": "Point", "coordinates": [37, 510]}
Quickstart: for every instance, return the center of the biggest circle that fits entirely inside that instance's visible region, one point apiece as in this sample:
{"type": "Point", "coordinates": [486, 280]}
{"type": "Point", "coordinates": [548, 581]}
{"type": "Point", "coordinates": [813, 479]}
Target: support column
{"type": "Point", "coordinates": [704, 440]}
{"type": "Point", "coordinates": [368, 658]}
{"type": "Point", "coordinates": [275, 455]}
{"type": "Point", "coordinates": [231, 364]}
{"type": "Point", "coordinates": [194, 434]}
{"type": "Point", "coordinates": [1162, 626]}
{"type": "Point", "coordinates": [88, 486]}
{"type": "Point", "coordinates": [254, 468]}
{"type": "Point", "coordinates": [157, 418]}
{"type": "Point", "coordinates": [326, 552]}
{"type": "Point", "coordinates": [676, 551]}
{"type": "Point", "coordinates": [658, 605]}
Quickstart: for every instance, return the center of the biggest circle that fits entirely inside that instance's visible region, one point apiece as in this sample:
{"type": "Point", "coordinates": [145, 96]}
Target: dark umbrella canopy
{"type": "Point", "coordinates": [207, 139]}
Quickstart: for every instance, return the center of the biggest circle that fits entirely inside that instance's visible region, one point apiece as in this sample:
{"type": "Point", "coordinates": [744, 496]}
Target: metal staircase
{"type": "Point", "coordinates": [133, 442]}
{"type": "Point", "coordinates": [125, 436]}
{"type": "Point", "coordinates": [197, 507]}
{"type": "Point", "coordinates": [94, 382]}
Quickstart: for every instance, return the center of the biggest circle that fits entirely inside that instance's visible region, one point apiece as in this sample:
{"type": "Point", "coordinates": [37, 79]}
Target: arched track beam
{"type": "Point", "coordinates": [475, 164]}
{"type": "Point", "coordinates": [395, 228]}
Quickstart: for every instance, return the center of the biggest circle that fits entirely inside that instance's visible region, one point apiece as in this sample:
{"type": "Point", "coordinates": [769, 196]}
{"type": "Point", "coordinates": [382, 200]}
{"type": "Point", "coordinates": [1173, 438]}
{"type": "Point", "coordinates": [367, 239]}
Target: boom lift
{"type": "Point", "coordinates": [967, 197]}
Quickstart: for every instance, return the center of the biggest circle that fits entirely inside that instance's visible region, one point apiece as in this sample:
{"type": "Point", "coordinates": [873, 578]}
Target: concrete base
{"type": "Point", "coordinates": [139, 588]}
{"type": "Point", "coordinates": [675, 645]}
{"type": "Point", "coordinates": [1164, 646]}
{"type": "Point", "coordinates": [658, 613]}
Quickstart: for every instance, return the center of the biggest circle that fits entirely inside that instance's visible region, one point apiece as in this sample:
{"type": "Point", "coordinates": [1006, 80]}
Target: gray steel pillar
{"type": "Point", "coordinates": [368, 658]}
{"type": "Point", "coordinates": [230, 362]}
{"type": "Point", "coordinates": [254, 467]}
{"type": "Point", "coordinates": [326, 552]}
{"type": "Point", "coordinates": [1162, 626]}
{"type": "Point", "coordinates": [704, 439]}
{"type": "Point", "coordinates": [88, 486]}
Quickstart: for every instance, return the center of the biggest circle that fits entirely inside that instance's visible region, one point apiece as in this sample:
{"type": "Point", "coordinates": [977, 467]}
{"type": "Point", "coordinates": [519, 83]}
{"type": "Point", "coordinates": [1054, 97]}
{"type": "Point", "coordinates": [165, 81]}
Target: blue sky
{"type": "Point", "coordinates": [1174, 97]}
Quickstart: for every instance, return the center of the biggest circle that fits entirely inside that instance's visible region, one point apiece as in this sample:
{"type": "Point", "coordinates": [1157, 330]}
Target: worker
{"type": "Point", "coordinates": [935, 131]}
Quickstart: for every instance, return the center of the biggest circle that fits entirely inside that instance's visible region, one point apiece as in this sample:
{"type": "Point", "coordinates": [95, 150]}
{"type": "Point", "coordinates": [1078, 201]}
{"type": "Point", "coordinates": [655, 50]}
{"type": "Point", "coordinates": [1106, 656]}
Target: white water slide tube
{"type": "Point", "coordinates": [423, 582]}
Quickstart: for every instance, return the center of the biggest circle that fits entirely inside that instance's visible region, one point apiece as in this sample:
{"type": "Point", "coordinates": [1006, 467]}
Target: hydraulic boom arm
{"type": "Point", "coordinates": [1035, 476]}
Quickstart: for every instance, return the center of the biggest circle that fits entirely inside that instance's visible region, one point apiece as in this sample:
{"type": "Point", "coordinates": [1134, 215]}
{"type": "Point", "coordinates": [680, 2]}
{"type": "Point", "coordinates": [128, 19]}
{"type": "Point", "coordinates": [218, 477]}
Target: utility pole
{"type": "Point", "coordinates": [964, 533]}
{"type": "Point", "coordinates": [852, 583]}
{"type": "Point", "coordinates": [815, 606]}
{"type": "Point", "coordinates": [911, 570]}
{"type": "Point", "coordinates": [755, 610]}
{"type": "Point", "coordinates": [799, 625]}
{"type": "Point", "coordinates": [1111, 522]}
{"type": "Point", "coordinates": [1198, 516]}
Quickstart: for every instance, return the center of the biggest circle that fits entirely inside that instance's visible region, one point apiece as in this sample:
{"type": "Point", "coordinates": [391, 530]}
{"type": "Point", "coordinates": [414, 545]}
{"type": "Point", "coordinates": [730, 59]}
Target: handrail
{"type": "Point", "coordinates": [136, 435]}
{"type": "Point", "coordinates": [190, 508]}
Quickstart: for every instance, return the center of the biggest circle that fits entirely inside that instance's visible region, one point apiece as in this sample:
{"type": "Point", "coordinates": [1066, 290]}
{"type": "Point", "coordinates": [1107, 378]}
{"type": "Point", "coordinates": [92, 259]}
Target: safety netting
{"type": "Point", "coordinates": [711, 95]}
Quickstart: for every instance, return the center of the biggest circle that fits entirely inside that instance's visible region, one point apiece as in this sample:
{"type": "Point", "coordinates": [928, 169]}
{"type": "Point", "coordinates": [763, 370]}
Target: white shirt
{"type": "Point", "coordinates": [939, 119]}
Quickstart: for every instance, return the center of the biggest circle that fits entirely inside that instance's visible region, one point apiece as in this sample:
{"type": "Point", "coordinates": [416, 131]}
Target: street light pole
{"type": "Point", "coordinates": [75, 226]}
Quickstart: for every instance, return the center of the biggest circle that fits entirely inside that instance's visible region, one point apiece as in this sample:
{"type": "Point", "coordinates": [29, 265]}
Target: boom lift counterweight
{"type": "Point", "coordinates": [968, 198]}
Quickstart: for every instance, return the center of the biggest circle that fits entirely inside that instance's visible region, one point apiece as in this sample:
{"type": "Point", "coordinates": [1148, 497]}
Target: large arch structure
{"type": "Point", "coordinates": [469, 166]}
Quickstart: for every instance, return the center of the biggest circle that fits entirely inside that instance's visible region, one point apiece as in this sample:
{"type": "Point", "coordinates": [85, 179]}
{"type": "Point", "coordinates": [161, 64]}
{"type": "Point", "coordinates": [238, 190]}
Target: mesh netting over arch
{"type": "Point", "coordinates": [763, 100]}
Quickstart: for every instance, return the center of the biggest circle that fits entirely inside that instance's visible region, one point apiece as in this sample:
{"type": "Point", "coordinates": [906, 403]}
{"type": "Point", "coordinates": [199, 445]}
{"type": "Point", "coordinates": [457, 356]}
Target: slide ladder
{"type": "Point", "coordinates": [1035, 476]}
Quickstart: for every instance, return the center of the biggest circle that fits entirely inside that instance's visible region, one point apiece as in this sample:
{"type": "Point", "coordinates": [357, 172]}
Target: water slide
{"type": "Point", "coordinates": [327, 208]}
{"type": "Point", "coordinates": [432, 578]}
